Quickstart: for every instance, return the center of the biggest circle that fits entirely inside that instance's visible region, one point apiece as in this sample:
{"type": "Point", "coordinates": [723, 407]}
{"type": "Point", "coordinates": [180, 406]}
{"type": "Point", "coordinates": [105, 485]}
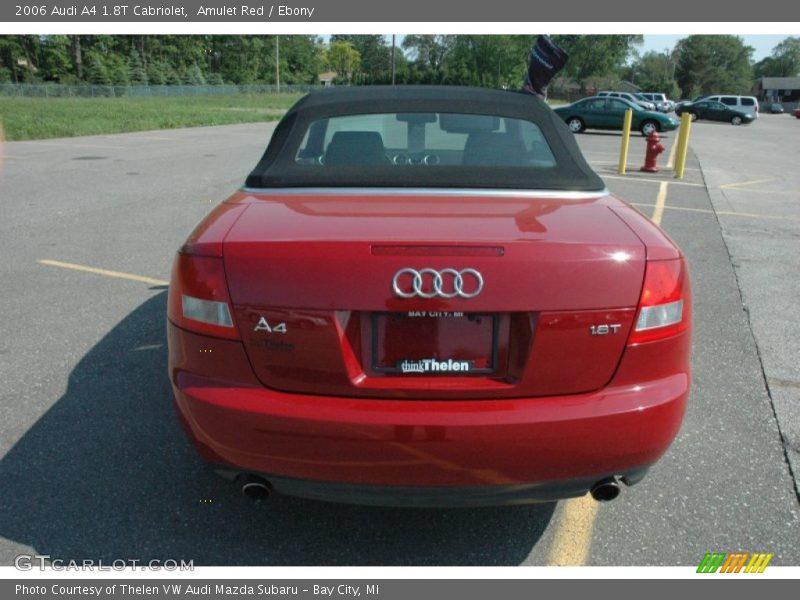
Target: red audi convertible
{"type": "Point", "coordinates": [424, 296]}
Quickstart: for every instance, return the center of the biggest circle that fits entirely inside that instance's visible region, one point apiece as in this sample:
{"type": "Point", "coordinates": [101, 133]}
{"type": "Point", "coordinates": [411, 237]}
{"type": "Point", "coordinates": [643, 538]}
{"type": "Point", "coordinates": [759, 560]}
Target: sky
{"type": "Point", "coordinates": [763, 44]}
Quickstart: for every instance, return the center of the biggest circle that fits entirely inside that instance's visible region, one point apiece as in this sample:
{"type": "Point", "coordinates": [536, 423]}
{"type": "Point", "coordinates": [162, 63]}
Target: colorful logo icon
{"type": "Point", "coordinates": [736, 562]}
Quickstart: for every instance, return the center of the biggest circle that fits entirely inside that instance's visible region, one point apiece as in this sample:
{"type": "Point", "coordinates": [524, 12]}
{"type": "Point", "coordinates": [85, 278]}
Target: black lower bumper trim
{"type": "Point", "coordinates": [439, 496]}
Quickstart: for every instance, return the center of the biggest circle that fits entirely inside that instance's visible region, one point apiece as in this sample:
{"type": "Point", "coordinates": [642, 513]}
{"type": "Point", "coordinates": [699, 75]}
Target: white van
{"type": "Point", "coordinates": [746, 104]}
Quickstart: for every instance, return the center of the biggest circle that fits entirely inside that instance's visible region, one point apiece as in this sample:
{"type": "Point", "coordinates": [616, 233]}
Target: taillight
{"type": "Point", "coordinates": [665, 304]}
{"type": "Point", "coordinates": [198, 296]}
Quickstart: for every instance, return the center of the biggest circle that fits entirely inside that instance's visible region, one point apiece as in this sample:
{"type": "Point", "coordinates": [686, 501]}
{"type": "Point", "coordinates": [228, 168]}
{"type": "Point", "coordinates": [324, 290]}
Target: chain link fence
{"type": "Point", "coordinates": [109, 91]}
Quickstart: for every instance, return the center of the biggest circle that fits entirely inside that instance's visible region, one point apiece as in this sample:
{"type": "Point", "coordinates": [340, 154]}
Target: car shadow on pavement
{"type": "Point", "coordinates": [106, 474]}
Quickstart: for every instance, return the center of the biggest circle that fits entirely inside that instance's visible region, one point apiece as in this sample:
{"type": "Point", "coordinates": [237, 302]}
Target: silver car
{"type": "Point", "coordinates": [663, 104]}
{"type": "Point", "coordinates": [645, 104]}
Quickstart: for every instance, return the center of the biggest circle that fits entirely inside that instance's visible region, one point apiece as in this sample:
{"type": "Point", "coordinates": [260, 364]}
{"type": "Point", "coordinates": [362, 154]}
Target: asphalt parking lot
{"type": "Point", "coordinates": [94, 464]}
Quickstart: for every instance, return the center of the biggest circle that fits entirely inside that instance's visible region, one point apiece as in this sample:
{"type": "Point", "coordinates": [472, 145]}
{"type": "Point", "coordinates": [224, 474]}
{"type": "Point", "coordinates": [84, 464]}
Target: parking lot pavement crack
{"type": "Point", "coordinates": [785, 442]}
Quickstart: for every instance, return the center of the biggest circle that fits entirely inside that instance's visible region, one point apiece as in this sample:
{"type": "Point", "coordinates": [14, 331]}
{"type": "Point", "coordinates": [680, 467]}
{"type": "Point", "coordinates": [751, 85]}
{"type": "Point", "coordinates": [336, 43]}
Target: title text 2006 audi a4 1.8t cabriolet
{"type": "Point", "coordinates": [425, 296]}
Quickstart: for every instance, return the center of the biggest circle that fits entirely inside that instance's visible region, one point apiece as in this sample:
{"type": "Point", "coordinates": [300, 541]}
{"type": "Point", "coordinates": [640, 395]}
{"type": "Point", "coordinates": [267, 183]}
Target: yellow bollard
{"type": "Point", "coordinates": [683, 144]}
{"type": "Point", "coordinates": [626, 140]}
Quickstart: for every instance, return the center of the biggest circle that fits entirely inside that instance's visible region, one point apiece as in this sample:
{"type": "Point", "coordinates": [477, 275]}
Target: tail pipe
{"type": "Point", "coordinates": [254, 487]}
{"type": "Point", "coordinates": [605, 490]}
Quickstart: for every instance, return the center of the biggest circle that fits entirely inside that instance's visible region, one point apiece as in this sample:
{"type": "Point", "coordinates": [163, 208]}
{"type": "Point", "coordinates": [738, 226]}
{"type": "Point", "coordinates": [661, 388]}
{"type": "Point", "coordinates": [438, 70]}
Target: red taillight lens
{"type": "Point", "coordinates": [198, 296]}
{"type": "Point", "coordinates": [665, 304]}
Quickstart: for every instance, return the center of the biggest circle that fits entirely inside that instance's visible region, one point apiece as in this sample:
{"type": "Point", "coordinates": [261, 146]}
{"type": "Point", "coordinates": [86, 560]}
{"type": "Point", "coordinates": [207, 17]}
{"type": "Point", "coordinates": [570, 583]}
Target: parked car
{"type": "Point", "coordinates": [796, 112]}
{"type": "Point", "coordinates": [685, 102]}
{"type": "Point", "coordinates": [645, 104]}
{"type": "Point", "coordinates": [597, 112]}
{"type": "Point", "coordinates": [745, 104]}
{"type": "Point", "coordinates": [662, 103]}
{"type": "Point", "coordinates": [715, 111]}
{"type": "Point", "coordinates": [776, 108]}
{"type": "Point", "coordinates": [422, 296]}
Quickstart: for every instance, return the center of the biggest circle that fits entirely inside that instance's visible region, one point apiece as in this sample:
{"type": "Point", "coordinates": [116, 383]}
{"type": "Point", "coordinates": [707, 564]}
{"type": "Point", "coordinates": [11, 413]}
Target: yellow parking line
{"type": "Point", "coordinates": [730, 186]}
{"type": "Point", "coordinates": [573, 536]}
{"type": "Point", "coordinates": [752, 191]}
{"type": "Point", "coordinates": [649, 180]}
{"type": "Point", "coordinates": [106, 272]}
{"type": "Point", "coordinates": [725, 213]}
{"type": "Point", "coordinates": [661, 200]}
{"type": "Point", "coordinates": [673, 148]}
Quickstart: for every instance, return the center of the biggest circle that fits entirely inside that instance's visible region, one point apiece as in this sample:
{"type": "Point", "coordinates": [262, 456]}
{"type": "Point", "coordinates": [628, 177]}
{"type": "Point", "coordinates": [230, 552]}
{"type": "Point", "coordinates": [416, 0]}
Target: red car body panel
{"type": "Point", "coordinates": [234, 420]}
{"type": "Point", "coordinates": [426, 296]}
{"type": "Point", "coordinates": [561, 247]}
{"type": "Point", "coordinates": [562, 406]}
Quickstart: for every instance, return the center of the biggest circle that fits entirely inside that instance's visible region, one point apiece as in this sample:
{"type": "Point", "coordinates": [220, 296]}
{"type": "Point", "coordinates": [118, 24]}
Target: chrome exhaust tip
{"type": "Point", "coordinates": [605, 490]}
{"type": "Point", "coordinates": [256, 488]}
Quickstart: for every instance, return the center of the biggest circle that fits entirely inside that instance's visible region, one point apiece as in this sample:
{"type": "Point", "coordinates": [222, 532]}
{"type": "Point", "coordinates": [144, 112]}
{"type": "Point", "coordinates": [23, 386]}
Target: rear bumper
{"type": "Point", "coordinates": [435, 496]}
{"type": "Point", "coordinates": [421, 452]}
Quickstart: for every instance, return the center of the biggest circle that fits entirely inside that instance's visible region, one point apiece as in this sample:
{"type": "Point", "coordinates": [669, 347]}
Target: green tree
{"type": "Point", "coordinates": [18, 55]}
{"type": "Point", "coordinates": [497, 61]}
{"type": "Point", "coordinates": [713, 64]}
{"type": "Point", "coordinates": [96, 71]}
{"type": "Point", "coordinates": [138, 75]}
{"type": "Point", "coordinates": [376, 57]}
{"type": "Point", "coordinates": [55, 63]}
{"type": "Point", "coordinates": [784, 62]}
{"type": "Point", "coordinates": [596, 55]}
{"type": "Point", "coordinates": [157, 72]}
{"type": "Point", "coordinates": [172, 76]}
{"type": "Point", "coordinates": [214, 79]}
{"type": "Point", "coordinates": [655, 71]}
{"type": "Point", "coordinates": [117, 69]}
{"type": "Point", "coordinates": [302, 58]}
{"type": "Point", "coordinates": [429, 55]}
{"type": "Point", "coordinates": [344, 59]}
{"type": "Point", "coordinates": [196, 75]}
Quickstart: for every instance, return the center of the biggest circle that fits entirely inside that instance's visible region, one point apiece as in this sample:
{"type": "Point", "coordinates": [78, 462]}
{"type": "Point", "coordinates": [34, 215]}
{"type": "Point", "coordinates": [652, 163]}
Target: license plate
{"type": "Point", "coordinates": [433, 343]}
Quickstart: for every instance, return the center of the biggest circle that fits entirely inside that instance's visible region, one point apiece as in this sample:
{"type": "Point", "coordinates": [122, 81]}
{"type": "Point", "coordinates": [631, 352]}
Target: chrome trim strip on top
{"type": "Point", "coordinates": [400, 191]}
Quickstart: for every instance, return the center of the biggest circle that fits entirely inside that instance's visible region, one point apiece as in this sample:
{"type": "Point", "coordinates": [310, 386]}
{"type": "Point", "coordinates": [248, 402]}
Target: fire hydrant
{"type": "Point", "coordinates": [654, 148]}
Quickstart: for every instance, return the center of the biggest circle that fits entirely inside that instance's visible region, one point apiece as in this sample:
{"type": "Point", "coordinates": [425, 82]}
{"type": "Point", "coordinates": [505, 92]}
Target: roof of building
{"type": "Point", "coordinates": [780, 83]}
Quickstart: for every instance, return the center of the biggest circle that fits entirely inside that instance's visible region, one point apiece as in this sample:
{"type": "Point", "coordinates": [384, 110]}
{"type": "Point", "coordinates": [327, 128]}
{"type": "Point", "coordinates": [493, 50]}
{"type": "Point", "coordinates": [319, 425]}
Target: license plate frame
{"type": "Point", "coordinates": [493, 352]}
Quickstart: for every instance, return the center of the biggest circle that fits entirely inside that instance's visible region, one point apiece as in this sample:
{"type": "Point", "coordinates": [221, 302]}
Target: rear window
{"type": "Point", "coordinates": [748, 102]}
{"type": "Point", "coordinates": [423, 139]}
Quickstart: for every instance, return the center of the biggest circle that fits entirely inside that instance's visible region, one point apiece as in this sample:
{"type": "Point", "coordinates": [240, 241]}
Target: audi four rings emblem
{"type": "Point", "coordinates": [429, 283]}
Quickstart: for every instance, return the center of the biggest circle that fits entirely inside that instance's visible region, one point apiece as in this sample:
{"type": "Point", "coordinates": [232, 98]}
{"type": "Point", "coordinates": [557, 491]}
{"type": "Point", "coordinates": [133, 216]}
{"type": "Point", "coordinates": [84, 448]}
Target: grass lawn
{"type": "Point", "coordinates": [37, 118]}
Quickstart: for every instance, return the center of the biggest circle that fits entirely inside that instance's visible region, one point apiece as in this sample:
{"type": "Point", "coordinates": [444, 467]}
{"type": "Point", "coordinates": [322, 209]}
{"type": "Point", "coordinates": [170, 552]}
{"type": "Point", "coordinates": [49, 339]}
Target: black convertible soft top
{"type": "Point", "coordinates": [278, 168]}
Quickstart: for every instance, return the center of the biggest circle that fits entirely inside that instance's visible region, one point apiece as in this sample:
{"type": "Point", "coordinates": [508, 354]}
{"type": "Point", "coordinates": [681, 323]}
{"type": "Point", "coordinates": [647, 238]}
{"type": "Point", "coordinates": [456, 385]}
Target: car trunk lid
{"type": "Point", "coordinates": [314, 283]}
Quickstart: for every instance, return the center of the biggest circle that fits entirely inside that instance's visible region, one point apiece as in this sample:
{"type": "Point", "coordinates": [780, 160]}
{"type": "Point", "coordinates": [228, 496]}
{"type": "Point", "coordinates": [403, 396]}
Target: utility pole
{"type": "Point", "coordinates": [278, 63]}
{"type": "Point", "coordinates": [393, 66]}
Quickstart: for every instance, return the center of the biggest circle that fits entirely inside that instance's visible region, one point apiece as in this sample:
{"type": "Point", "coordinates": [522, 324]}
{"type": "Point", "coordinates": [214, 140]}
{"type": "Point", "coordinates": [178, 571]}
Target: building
{"type": "Point", "coordinates": [785, 90]}
{"type": "Point", "coordinates": [326, 78]}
